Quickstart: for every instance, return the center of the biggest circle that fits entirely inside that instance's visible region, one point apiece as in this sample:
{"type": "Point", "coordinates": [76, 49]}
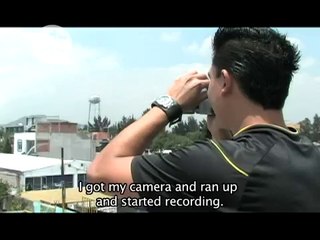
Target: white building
{"type": "Point", "coordinates": [24, 142]}
{"type": "Point", "coordinates": [76, 146]}
{"type": "Point", "coordinates": [24, 172]}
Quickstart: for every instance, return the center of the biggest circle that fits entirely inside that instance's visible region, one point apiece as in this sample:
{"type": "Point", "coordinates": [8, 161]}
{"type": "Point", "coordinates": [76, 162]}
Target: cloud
{"type": "Point", "coordinates": [296, 41]}
{"type": "Point", "coordinates": [59, 76]}
{"type": "Point", "coordinates": [201, 49]}
{"type": "Point", "coordinates": [308, 62]}
{"type": "Point", "coordinates": [137, 88]}
{"type": "Point", "coordinates": [317, 79]}
{"type": "Point", "coordinates": [38, 65]}
{"type": "Point", "coordinates": [60, 79]}
{"type": "Point", "coordinates": [303, 100]}
{"type": "Point", "coordinates": [170, 36]}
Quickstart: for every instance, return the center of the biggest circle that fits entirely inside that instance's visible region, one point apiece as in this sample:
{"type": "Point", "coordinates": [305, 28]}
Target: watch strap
{"type": "Point", "coordinates": [174, 112]}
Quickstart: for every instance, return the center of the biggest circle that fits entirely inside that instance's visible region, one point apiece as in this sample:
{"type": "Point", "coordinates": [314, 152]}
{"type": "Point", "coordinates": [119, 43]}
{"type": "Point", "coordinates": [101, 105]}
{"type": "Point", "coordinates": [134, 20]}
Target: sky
{"type": "Point", "coordinates": [54, 71]}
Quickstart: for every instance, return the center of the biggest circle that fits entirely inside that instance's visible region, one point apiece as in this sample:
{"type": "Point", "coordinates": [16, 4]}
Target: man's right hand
{"type": "Point", "coordinates": [187, 90]}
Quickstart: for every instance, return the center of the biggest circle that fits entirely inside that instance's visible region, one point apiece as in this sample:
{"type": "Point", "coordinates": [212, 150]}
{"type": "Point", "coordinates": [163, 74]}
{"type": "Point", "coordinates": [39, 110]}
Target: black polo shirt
{"type": "Point", "coordinates": [262, 168]}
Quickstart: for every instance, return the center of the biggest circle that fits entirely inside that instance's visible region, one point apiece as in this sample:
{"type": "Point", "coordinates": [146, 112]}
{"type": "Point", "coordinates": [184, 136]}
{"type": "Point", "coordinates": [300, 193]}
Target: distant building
{"type": "Point", "coordinates": [100, 139]}
{"type": "Point", "coordinates": [24, 124]}
{"type": "Point", "coordinates": [24, 143]}
{"type": "Point", "coordinates": [24, 172]}
{"type": "Point", "coordinates": [52, 135]}
{"type": "Point", "coordinates": [44, 136]}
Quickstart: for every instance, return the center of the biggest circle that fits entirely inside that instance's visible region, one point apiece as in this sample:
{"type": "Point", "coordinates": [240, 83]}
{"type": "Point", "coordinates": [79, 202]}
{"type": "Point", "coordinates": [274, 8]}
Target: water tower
{"type": "Point", "coordinates": [94, 111]}
{"type": "Point", "coordinates": [94, 108]}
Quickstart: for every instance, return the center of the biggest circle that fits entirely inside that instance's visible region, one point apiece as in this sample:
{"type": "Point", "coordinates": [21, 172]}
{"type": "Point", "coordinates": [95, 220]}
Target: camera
{"type": "Point", "coordinates": [204, 108]}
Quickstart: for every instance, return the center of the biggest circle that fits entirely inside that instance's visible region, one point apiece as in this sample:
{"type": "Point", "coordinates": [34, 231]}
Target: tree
{"type": "Point", "coordinates": [4, 189]}
{"type": "Point", "coordinates": [85, 128]}
{"type": "Point", "coordinates": [145, 111]}
{"type": "Point", "coordinates": [18, 204]}
{"type": "Point", "coordinates": [1, 133]}
{"type": "Point", "coordinates": [195, 136]}
{"type": "Point", "coordinates": [99, 124]}
{"type": "Point", "coordinates": [192, 124]}
{"type": "Point", "coordinates": [125, 122]}
{"type": "Point", "coordinates": [180, 129]}
{"type": "Point", "coordinates": [6, 148]}
{"type": "Point", "coordinates": [13, 203]}
{"type": "Point", "coordinates": [306, 128]}
{"type": "Point", "coordinates": [159, 141]}
{"type": "Point", "coordinates": [113, 130]}
{"type": "Point", "coordinates": [174, 142]}
{"type": "Point", "coordinates": [203, 127]}
{"type": "Point", "coordinates": [316, 128]}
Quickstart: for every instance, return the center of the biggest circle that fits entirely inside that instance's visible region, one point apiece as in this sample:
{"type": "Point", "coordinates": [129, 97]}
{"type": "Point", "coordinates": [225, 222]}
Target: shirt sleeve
{"type": "Point", "coordinates": [201, 162]}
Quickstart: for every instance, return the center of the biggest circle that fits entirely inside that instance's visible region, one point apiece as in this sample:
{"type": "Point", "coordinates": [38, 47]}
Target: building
{"type": "Point", "coordinates": [50, 136]}
{"type": "Point", "coordinates": [24, 143]}
{"type": "Point", "coordinates": [39, 180]}
{"type": "Point", "coordinates": [24, 124]}
{"type": "Point", "coordinates": [44, 136]}
{"type": "Point", "coordinates": [25, 172]}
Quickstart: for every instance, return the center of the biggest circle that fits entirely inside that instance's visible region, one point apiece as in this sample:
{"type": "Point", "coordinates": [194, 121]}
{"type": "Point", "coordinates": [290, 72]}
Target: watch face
{"type": "Point", "coordinates": [165, 101]}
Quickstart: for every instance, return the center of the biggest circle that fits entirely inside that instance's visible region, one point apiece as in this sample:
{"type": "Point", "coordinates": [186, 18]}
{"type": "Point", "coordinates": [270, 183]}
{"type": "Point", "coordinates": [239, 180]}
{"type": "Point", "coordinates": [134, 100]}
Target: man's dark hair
{"type": "Point", "coordinates": [261, 60]}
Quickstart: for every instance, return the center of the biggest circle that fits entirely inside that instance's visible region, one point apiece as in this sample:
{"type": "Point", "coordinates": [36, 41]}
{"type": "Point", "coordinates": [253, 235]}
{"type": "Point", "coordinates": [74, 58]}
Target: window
{"type": "Point", "coordinates": [82, 178]}
{"type": "Point", "coordinates": [30, 144]}
{"type": "Point", "coordinates": [58, 180]}
{"type": "Point", "coordinates": [44, 183]}
{"type": "Point", "coordinates": [29, 184]}
{"type": "Point", "coordinates": [37, 183]}
{"type": "Point", "coordinates": [19, 145]}
{"type": "Point", "coordinates": [48, 182]}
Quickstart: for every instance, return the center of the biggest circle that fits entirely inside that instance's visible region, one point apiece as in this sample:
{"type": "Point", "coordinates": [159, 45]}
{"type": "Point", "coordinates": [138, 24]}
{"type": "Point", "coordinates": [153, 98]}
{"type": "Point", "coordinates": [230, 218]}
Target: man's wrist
{"type": "Point", "coordinates": [160, 114]}
{"type": "Point", "coordinates": [170, 107]}
{"type": "Point", "coordinates": [167, 116]}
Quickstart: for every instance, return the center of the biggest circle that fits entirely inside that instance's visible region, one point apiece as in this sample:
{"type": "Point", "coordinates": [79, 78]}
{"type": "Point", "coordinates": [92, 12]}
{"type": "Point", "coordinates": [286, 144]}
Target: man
{"type": "Point", "coordinates": [264, 167]}
{"type": "Point", "coordinates": [215, 132]}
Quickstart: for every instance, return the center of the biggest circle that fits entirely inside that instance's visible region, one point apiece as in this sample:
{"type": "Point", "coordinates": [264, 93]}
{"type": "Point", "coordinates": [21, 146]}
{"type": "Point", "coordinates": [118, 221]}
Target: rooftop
{"type": "Point", "coordinates": [22, 120]}
{"type": "Point", "coordinates": [37, 118]}
{"type": "Point", "coordinates": [48, 120]}
{"type": "Point", "coordinates": [24, 163]}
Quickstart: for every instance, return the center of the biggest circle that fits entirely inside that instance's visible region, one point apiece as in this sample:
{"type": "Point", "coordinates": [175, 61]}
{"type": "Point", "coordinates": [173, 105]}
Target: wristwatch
{"type": "Point", "coordinates": [172, 109]}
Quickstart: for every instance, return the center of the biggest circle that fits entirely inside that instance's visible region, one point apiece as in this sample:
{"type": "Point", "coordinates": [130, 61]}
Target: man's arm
{"type": "Point", "coordinates": [113, 164]}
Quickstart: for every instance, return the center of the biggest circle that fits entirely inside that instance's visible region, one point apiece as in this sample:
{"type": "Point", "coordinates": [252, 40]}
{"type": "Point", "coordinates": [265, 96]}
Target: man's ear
{"type": "Point", "coordinates": [227, 82]}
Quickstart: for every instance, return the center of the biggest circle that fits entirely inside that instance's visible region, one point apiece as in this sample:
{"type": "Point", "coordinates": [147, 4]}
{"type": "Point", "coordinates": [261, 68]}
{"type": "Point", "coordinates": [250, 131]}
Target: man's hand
{"type": "Point", "coordinates": [187, 90]}
{"type": "Point", "coordinates": [113, 163]}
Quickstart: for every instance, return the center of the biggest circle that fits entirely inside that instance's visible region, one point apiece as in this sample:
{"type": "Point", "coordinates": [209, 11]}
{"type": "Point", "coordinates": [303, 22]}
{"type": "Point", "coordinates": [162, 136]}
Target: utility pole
{"type": "Point", "coordinates": [62, 182]}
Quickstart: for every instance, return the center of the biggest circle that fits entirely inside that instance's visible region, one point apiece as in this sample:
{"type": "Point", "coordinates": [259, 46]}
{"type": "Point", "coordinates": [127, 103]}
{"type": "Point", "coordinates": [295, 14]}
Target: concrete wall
{"type": "Point", "coordinates": [75, 147]}
{"type": "Point", "coordinates": [57, 127]}
{"type": "Point", "coordinates": [11, 177]}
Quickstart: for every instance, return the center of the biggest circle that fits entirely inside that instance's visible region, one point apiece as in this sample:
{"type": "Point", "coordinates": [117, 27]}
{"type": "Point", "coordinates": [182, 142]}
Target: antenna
{"type": "Point", "coordinates": [63, 183]}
